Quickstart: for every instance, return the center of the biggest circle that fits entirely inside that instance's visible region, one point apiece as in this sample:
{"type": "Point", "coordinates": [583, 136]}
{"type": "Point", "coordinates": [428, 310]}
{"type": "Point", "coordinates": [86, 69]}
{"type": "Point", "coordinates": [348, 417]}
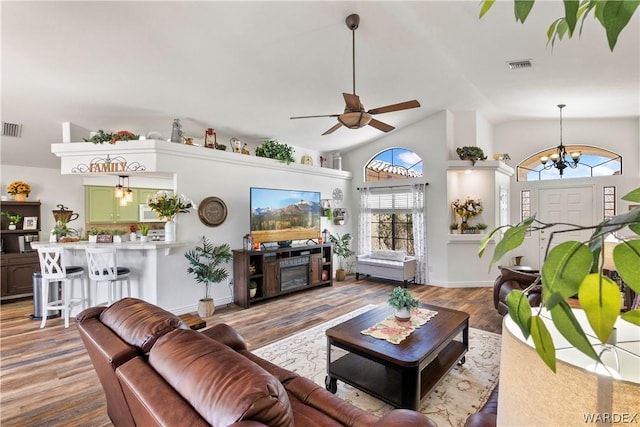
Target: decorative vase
{"type": "Point", "coordinates": [20, 197]}
{"type": "Point", "coordinates": [12, 227]}
{"type": "Point", "coordinates": [206, 307]}
{"type": "Point", "coordinates": [403, 314]}
{"type": "Point", "coordinates": [252, 292]}
{"type": "Point", "coordinates": [132, 237]}
{"type": "Point", "coordinates": [170, 231]}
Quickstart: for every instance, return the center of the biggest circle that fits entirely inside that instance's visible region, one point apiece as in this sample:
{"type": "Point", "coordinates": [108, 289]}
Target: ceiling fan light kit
{"type": "Point", "coordinates": [354, 115]}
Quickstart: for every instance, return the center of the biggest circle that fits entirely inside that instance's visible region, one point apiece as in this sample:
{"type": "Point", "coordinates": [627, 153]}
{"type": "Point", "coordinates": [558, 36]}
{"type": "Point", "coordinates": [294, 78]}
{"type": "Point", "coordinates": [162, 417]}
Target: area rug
{"type": "Point", "coordinates": [461, 393]}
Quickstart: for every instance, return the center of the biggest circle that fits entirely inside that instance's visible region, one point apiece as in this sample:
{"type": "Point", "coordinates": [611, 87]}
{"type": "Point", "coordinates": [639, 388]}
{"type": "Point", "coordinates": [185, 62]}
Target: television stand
{"type": "Point", "coordinates": [280, 271]}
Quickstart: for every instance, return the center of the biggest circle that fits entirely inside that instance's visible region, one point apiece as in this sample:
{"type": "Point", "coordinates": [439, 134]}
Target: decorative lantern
{"type": "Point", "coordinates": [325, 235]}
{"type": "Point", "coordinates": [247, 242]}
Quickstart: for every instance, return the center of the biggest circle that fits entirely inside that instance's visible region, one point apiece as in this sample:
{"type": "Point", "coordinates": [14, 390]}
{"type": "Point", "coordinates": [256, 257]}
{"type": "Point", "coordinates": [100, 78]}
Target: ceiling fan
{"type": "Point", "coordinates": [355, 116]}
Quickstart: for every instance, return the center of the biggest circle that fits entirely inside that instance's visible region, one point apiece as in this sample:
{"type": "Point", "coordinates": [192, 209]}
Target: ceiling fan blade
{"type": "Point", "coordinates": [395, 107]}
{"type": "Point", "coordinates": [313, 117]}
{"type": "Point", "coordinates": [381, 126]}
{"type": "Point", "coordinates": [334, 128]}
{"type": "Point", "coordinates": [352, 101]}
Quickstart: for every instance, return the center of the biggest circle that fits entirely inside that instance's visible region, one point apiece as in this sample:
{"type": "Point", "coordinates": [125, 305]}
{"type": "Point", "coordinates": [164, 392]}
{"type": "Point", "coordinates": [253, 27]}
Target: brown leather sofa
{"type": "Point", "coordinates": [488, 414]}
{"type": "Point", "coordinates": [155, 371]}
{"type": "Point", "coordinates": [511, 278]}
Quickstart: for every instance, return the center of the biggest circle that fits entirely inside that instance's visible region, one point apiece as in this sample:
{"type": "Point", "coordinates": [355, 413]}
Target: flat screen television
{"type": "Point", "coordinates": [284, 215]}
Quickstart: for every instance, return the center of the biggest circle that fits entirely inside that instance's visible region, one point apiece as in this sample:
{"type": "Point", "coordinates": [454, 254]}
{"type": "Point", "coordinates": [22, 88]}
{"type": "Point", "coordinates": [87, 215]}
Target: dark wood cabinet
{"type": "Point", "coordinates": [280, 271]}
{"type": "Point", "coordinates": [19, 262]}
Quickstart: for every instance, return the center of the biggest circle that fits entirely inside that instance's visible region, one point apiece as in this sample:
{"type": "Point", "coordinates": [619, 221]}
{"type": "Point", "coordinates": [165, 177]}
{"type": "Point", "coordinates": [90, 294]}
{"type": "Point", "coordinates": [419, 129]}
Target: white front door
{"type": "Point", "coordinates": [573, 205]}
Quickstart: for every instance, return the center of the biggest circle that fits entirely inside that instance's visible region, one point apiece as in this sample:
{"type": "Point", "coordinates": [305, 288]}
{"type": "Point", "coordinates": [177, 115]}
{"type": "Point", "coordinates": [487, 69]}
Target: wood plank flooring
{"type": "Point", "coordinates": [47, 379]}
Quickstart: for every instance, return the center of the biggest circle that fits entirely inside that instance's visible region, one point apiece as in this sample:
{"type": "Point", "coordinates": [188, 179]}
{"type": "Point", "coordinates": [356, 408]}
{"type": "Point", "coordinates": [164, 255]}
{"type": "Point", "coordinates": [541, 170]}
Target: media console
{"type": "Point", "coordinates": [280, 271]}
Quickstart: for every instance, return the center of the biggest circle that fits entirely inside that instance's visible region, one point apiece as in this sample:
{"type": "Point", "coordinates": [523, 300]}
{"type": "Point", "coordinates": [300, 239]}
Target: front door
{"type": "Point", "coordinates": [573, 205]}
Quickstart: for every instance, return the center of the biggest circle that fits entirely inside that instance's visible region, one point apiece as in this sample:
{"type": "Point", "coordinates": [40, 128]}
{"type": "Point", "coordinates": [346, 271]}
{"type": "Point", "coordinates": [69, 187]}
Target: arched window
{"type": "Point", "coordinates": [393, 163]}
{"type": "Point", "coordinates": [594, 161]}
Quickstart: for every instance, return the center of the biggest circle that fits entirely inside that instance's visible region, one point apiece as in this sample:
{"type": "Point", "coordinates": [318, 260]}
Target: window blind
{"type": "Point", "coordinates": [389, 200]}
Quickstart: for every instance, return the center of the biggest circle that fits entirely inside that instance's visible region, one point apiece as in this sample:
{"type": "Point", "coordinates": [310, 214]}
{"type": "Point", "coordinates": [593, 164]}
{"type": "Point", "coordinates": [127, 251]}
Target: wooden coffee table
{"type": "Point", "coordinates": [399, 374]}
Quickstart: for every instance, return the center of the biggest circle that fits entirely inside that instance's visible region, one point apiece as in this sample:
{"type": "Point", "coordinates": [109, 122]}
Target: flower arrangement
{"type": "Point", "coordinates": [19, 187]}
{"type": "Point", "coordinates": [169, 205]}
{"type": "Point", "coordinates": [467, 208]}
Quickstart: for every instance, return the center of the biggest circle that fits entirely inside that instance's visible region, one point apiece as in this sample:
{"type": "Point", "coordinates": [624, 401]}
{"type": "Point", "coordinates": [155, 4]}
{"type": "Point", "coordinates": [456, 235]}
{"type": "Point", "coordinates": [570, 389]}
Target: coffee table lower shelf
{"type": "Point", "coordinates": [389, 382]}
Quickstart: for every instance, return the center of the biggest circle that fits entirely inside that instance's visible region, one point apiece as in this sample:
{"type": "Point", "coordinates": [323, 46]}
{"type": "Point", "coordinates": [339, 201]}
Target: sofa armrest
{"type": "Point", "coordinates": [405, 418]}
{"type": "Point", "coordinates": [226, 335]}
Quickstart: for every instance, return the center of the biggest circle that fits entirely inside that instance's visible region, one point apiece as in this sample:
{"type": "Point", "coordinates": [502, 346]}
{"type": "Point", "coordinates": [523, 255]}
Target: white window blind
{"type": "Point", "coordinates": [392, 200]}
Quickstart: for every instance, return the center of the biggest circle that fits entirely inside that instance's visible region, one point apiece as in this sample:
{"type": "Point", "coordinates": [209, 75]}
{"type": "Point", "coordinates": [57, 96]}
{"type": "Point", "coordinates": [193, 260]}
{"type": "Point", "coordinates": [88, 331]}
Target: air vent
{"type": "Point", "coordinates": [11, 129]}
{"type": "Point", "coordinates": [517, 65]}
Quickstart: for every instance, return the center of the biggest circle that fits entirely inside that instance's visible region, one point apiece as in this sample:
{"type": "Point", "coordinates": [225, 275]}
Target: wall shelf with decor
{"type": "Point", "coordinates": [280, 271]}
{"type": "Point", "coordinates": [19, 261]}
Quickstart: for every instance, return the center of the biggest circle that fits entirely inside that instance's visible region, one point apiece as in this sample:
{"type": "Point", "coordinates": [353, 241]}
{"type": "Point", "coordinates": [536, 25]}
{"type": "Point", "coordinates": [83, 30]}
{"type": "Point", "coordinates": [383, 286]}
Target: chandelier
{"type": "Point", "coordinates": [561, 159]}
{"type": "Point", "coordinates": [122, 192]}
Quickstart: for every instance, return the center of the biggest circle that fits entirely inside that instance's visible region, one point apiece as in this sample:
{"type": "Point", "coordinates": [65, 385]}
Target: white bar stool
{"type": "Point", "coordinates": [102, 267]}
{"type": "Point", "coordinates": [54, 270]}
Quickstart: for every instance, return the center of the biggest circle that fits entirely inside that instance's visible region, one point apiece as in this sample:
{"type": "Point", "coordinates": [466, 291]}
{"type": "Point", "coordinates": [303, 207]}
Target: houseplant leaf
{"type": "Point", "coordinates": [520, 310]}
{"type": "Point", "coordinates": [512, 238]}
{"type": "Point", "coordinates": [563, 270]}
{"type": "Point", "coordinates": [543, 342]}
{"type": "Point", "coordinates": [600, 298]}
{"type": "Point", "coordinates": [626, 257]}
{"type": "Point", "coordinates": [615, 16]}
{"type": "Point", "coordinates": [567, 324]}
{"type": "Point", "coordinates": [632, 316]}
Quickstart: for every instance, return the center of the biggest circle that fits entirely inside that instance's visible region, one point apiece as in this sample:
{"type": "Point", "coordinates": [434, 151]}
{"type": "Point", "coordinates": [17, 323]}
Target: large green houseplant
{"type": "Point", "coordinates": [342, 249]}
{"type": "Point", "coordinates": [575, 268]}
{"type": "Point", "coordinates": [613, 15]}
{"type": "Point", "coordinates": [206, 263]}
{"type": "Point", "coordinates": [272, 149]}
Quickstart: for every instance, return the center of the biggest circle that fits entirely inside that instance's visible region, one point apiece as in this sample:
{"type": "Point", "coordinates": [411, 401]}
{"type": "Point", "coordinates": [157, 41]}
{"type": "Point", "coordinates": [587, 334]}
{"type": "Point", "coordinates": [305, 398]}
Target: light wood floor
{"type": "Point", "coordinates": [47, 379]}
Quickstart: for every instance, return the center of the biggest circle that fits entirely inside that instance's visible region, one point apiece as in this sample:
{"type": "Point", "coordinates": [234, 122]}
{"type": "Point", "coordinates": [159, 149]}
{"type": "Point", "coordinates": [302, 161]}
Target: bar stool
{"type": "Point", "coordinates": [54, 270]}
{"type": "Point", "coordinates": [102, 267]}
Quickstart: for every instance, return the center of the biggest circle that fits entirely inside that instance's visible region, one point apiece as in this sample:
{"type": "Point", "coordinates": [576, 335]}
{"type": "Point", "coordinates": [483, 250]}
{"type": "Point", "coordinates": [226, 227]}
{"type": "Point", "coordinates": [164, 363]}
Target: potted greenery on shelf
{"type": "Point", "coordinates": [253, 288]}
{"type": "Point", "coordinates": [471, 153]}
{"type": "Point", "coordinates": [14, 219]}
{"type": "Point", "coordinates": [206, 263]}
{"type": "Point", "coordinates": [402, 301]}
{"type": "Point", "coordinates": [143, 228]}
{"type": "Point", "coordinates": [342, 250]}
{"type": "Point", "coordinates": [272, 149]}
{"type": "Point", "coordinates": [575, 268]}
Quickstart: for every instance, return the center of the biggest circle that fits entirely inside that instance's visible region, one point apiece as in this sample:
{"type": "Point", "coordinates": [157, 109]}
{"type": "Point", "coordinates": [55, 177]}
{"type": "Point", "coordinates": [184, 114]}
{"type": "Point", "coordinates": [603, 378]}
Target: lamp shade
{"type": "Point", "coordinates": [532, 395]}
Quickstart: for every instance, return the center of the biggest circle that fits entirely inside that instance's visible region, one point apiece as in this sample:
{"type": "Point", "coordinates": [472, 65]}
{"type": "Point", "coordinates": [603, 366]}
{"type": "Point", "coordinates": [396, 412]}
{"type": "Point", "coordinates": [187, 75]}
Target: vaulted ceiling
{"type": "Point", "coordinates": [244, 68]}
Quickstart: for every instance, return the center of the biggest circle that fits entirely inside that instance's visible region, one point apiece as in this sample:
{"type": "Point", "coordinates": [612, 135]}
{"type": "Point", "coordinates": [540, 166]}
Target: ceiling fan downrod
{"type": "Point", "coordinates": [353, 21]}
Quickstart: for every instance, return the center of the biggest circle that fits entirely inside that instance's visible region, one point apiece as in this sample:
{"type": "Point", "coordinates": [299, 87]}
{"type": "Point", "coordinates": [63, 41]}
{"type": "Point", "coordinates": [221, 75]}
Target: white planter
{"type": "Point", "coordinates": [132, 237]}
{"type": "Point", "coordinates": [12, 227]}
{"type": "Point", "coordinates": [117, 239]}
{"type": "Point", "coordinates": [144, 238]}
{"type": "Point", "coordinates": [93, 238]}
{"type": "Point", "coordinates": [403, 314]}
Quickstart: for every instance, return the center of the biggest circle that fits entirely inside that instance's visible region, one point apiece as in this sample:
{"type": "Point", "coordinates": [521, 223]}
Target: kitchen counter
{"type": "Point", "coordinates": [157, 269]}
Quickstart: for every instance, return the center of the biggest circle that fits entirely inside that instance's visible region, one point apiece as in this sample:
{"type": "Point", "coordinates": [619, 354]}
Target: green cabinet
{"type": "Point", "coordinates": [102, 206]}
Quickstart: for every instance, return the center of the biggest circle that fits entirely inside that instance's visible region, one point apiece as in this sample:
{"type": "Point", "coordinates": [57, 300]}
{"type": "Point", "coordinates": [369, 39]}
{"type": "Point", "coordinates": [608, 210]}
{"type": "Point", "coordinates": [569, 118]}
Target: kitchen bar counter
{"type": "Point", "coordinates": [154, 269]}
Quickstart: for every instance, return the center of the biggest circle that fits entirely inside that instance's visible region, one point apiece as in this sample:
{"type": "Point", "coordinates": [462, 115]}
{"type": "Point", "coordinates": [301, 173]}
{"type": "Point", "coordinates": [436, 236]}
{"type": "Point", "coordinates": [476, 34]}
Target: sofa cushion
{"type": "Point", "coordinates": [388, 255]}
{"type": "Point", "coordinates": [223, 386]}
{"type": "Point", "coordinates": [138, 322]}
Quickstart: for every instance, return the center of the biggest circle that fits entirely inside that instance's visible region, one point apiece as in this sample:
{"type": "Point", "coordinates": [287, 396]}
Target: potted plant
{"type": "Point", "coordinates": [132, 232]}
{"type": "Point", "coordinates": [481, 227]}
{"type": "Point", "coordinates": [253, 288]}
{"type": "Point", "coordinates": [471, 153]}
{"type": "Point", "coordinates": [93, 235]}
{"type": "Point", "coordinates": [402, 301]}
{"type": "Point", "coordinates": [575, 268]}
{"type": "Point", "coordinates": [143, 228]}
{"type": "Point", "coordinates": [453, 227]}
{"type": "Point", "coordinates": [272, 149]}
{"type": "Point", "coordinates": [343, 251]}
{"type": "Point", "coordinates": [14, 219]}
{"type": "Point", "coordinates": [117, 235]}
{"type": "Point", "coordinates": [59, 231]}
{"type": "Point", "coordinates": [20, 190]}
{"type": "Point", "coordinates": [206, 264]}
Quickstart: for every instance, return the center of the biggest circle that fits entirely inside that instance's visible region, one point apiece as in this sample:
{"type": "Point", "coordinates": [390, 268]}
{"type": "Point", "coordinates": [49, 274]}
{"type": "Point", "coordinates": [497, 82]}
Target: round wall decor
{"type": "Point", "coordinates": [212, 211]}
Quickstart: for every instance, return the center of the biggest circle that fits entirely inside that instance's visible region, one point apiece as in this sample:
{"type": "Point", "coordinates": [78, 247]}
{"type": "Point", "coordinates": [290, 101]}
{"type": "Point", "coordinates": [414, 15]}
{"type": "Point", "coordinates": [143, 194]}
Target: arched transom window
{"type": "Point", "coordinates": [594, 161]}
{"type": "Point", "coordinates": [393, 163]}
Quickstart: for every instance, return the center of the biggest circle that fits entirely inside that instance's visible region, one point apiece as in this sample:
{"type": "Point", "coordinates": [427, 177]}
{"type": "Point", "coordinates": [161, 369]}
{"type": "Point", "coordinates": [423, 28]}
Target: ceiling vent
{"type": "Point", "coordinates": [11, 129]}
{"type": "Point", "coordinates": [517, 65]}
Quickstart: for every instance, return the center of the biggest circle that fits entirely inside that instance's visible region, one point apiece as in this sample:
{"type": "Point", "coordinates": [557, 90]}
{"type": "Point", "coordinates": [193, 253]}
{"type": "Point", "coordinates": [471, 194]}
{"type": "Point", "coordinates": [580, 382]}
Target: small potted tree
{"type": "Point", "coordinates": [206, 263]}
{"type": "Point", "coordinates": [402, 301]}
{"type": "Point", "coordinates": [343, 252]}
{"type": "Point", "coordinates": [143, 228]}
